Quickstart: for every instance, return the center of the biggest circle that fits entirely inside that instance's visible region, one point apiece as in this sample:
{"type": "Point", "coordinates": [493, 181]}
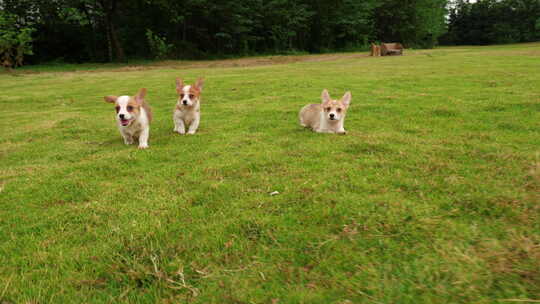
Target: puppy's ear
{"type": "Point", "coordinates": [347, 99]}
{"type": "Point", "coordinates": [110, 99]}
{"type": "Point", "coordinates": [179, 85]}
{"type": "Point", "coordinates": [199, 84]}
{"type": "Point", "coordinates": [325, 97]}
{"type": "Point", "coordinates": [140, 96]}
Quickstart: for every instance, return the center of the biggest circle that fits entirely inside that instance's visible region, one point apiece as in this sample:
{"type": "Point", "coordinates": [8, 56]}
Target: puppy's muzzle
{"type": "Point", "coordinates": [184, 102]}
{"type": "Point", "coordinates": [332, 116]}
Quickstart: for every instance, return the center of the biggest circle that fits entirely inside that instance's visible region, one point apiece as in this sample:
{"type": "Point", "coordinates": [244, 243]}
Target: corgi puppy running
{"type": "Point", "coordinates": [133, 117]}
{"type": "Point", "coordinates": [187, 112]}
{"type": "Point", "coordinates": [327, 117]}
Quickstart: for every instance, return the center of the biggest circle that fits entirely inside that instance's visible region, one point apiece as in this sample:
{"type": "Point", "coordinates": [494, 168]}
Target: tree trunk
{"type": "Point", "coordinates": [184, 29]}
{"type": "Point", "coordinates": [110, 9]}
{"type": "Point", "coordinates": [93, 28]}
{"type": "Point", "coordinates": [119, 50]}
{"type": "Point", "coordinates": [109, 42]}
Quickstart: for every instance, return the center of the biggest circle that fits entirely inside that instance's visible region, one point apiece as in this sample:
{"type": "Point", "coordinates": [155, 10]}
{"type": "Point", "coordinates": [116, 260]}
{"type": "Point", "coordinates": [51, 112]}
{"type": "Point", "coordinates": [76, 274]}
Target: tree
{"type": "Point", "coordinates": [493, 21]}
{"type": "Point", "coordinates": [114, 30]}
{"type": "Point", "coordinates": [15, 41]}
{"type": "Point", "coordinates": [110, 12]}
{"type": "Point", "coordinates": [415, 23]}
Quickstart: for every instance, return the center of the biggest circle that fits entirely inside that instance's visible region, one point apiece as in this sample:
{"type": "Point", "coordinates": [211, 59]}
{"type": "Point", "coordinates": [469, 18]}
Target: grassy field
{"type": "Point", "coordinates": [431, 197]}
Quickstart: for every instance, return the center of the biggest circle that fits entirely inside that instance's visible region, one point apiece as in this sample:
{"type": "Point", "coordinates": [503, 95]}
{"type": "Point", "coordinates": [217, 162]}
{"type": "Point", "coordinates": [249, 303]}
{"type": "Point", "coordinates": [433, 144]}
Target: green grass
{"type": "Point", "coordinates": [431, 197]}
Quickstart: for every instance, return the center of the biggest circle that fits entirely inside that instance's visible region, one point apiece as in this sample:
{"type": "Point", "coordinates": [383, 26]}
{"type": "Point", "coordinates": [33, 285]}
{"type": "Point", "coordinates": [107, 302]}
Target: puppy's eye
{"type": "Point", "coordinates": [328, 109]}
{"type": "Point", "coordinates": [191, 96]}
{"type": "Point", "coordinates": [129, 108]}
{"type": "Point", "coordinates": [117, 109]}
{"type": "Point", "coordinates": [182, 95]}
{"type": "Point", "coordinates": [339, 110]}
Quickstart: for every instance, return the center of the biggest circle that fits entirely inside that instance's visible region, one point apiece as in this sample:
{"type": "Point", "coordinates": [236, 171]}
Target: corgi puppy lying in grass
{"type": "Point", "coordinates": [328, 116]}
{"type": "Point", "coordinates": [187, 110]}
{"type": "Point", "coordinates": [133, 116]}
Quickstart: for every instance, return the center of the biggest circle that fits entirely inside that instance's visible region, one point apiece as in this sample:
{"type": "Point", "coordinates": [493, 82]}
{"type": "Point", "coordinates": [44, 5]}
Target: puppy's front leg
{"type": "Point", "coordinates": [128, 139]}
{"type": "Point", "coordinates": [179, 126]}
{"type": "Point", "coordinates": [143, 138]}
{"type": "Point", "coordinates": [194, 125]}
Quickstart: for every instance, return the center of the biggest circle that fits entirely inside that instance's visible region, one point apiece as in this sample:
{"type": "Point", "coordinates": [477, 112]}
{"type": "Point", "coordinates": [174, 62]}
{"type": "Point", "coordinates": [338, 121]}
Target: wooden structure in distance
{"type": "Point", "coordinates": [387, 49]}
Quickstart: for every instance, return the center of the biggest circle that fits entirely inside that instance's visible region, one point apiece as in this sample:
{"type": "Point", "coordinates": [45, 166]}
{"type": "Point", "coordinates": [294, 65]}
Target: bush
{"type": "Point", "coordinates": [158, 46]}
{"type": "Point", "coordinates": [537, 28]}
{"type": "Point", "coordinates": [15, 41]}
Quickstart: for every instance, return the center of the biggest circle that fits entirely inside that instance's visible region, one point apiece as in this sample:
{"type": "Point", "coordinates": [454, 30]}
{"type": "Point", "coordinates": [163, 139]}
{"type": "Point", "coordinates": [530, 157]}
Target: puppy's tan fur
{"type": "Point", "coordinates": [133, 117]}
{"type": "Point", "coordinates": [187, 111]}
{"type": "Point", "coordinates": [328, 116]}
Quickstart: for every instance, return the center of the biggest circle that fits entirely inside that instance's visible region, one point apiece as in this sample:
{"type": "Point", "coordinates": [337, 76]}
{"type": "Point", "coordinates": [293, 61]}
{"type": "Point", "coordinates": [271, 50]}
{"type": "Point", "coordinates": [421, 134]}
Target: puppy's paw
{"type": "Point", "coordinates": [181, 132]}
{"type": "Point", "coordinates": [342, 132]}
{"type": "Point", "coordinates": [191, 132]}
{"type": "Point", "coordinates": [143, 146]}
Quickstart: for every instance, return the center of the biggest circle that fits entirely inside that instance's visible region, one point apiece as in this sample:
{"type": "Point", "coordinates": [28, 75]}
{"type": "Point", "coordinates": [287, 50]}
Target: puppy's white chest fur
{"type": "Point", "coordinates": [136, 127]}
{"type": "Point", "coordinates": [187, 112]}
{"type": "Point", "coordinates": [186, 117]}
{"type": "Point", "coordinates": [325, 126]}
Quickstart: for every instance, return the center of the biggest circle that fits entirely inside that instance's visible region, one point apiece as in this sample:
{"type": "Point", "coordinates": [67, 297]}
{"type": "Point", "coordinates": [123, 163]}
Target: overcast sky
{"type": "Point", "coordinates": [453, 2]}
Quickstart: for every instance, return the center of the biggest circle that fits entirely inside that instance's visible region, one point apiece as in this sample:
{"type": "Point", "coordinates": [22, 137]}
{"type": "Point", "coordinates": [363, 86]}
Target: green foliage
{"type": "Point", "coordinates": [416, 23]}
{"type": "Point", "coordinates": [290, 23]}
{"type": "Point", "coordinates": [344, 24]}
{"type": "Point", "coordinates": [87, 30]}
{"type": "Point", "coordinates": [15, 41]}
{"type": "Point", "coordinates": [109, 29]}
{"type": "Point", "coordinates": [493, 21]}
{"type": "Point", "coordinates": [158, 45]}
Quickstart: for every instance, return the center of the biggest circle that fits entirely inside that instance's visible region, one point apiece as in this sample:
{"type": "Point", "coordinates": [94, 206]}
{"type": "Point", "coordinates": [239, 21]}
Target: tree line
{"type": "Point", "coordinates": [493, 22]}
{"type": "Point", "coordinates": [115, 30]}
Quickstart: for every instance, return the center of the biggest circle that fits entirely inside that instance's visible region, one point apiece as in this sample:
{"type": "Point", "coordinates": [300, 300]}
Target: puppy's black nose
{"type": "Point", "coordinates": [185, 102]}
{"type": "Point", "coordinates": [332, 115]}
{"type": "Point", "coordinates": [121, 116]}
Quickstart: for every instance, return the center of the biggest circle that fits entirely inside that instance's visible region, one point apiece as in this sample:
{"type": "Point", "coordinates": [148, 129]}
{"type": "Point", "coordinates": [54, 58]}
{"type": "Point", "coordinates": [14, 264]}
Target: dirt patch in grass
{"type": "Point", "coordinates": [532, 186]}
{"type": "Point", "coordinates": [225, 63]}
{"type": "Point", "coordinates": [244, 62]}
{"type": "Point", "coordinates": [517, 257]}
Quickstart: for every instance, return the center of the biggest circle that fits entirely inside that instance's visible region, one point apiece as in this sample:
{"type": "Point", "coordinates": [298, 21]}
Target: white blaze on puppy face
{"type": "Point", "coordinates": [188, 95]}
{"type": "Point", "coordinates": [335, 110]}
{"type": "Point", "coordinates": [122, 111]}
{"type": "Point", "coordinates": [127, 109]}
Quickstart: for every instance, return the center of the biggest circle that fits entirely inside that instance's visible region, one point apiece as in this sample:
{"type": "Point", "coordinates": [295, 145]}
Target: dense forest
{"type": "Point", "coordinates": [115, 30]}
{"type": "Point", "coordinates": [493, 22]}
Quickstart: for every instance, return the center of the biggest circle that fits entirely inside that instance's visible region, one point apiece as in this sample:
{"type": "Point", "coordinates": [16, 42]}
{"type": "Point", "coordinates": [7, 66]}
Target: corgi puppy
{"type": "Point", "coordinates": [187, 110]}
{"type": "Point", "coordinates": [327, 117]}
{"type": "Point", "coordinates": [133, 116]}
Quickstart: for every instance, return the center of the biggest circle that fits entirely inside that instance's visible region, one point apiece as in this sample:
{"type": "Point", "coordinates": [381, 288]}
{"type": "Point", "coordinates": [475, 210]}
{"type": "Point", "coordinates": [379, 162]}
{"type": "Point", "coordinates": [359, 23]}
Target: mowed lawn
{"type": "Point", "coordinates": [431, 197]}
